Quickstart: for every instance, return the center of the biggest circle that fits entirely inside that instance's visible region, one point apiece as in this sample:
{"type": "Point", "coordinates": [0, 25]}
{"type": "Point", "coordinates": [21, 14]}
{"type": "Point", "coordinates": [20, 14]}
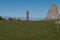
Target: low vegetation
{"type": "Point", "coordinates": [29, 30]}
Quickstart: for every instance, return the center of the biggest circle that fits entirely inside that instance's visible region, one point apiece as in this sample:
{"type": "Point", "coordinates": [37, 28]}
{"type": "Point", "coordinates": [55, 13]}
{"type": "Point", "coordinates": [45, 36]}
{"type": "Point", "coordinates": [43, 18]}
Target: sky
{"type": "Point", "coordinates": [18, 8]}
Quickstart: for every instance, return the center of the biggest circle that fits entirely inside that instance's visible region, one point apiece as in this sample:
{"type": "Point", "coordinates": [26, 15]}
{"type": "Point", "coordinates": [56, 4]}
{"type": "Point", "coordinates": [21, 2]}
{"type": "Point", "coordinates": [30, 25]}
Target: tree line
{"type": "Point", "coordinates": [1, 18]}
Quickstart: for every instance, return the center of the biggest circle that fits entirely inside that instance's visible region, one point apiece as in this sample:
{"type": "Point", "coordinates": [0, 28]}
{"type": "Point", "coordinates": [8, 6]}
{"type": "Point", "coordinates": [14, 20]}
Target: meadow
{"type": "Point", "coordinates": [29, 30]}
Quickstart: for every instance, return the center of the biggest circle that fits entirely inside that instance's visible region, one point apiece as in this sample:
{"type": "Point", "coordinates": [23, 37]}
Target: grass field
{"type": "Point", "coordinates": [32, 30]}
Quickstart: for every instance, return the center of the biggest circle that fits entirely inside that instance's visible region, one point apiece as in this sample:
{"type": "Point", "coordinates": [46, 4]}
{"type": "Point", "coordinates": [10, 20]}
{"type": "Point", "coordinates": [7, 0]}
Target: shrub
{"type": "Point", "coordinates": [2, 18]}
{"type": "Point", "coordinates": [12, 19]}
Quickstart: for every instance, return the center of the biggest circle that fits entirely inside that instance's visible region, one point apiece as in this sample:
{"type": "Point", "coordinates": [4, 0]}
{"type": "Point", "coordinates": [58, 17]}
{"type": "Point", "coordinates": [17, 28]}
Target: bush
{"type": "Point", "coordinates": [2, 18]}
{"type": "Point", "coordinates": [12, 19]}
{"type": "Point", "coordinates": [18, 19]}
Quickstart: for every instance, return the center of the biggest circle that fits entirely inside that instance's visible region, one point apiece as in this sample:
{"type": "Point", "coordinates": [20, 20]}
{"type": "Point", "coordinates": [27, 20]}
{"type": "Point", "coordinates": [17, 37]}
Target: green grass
{"type": "Point", "coordinates": [32, 30]}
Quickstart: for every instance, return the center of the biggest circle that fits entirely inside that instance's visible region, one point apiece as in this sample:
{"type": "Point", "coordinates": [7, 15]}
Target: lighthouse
{"type": "Point", "coordinates": [27, 15]}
